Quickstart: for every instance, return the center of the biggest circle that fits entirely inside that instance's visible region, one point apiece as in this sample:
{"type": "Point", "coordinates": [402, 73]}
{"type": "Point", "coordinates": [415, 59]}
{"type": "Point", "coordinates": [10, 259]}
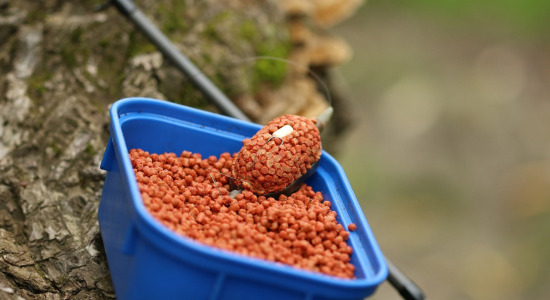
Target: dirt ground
{"type": "Point", "coordinates": [451, 159]}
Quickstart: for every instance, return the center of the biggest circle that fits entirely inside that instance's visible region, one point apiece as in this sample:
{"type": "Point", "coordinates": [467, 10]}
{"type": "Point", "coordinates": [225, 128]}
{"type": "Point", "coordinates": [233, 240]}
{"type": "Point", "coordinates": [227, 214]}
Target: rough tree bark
{"type": "Point", "coordinates": [63, 63]}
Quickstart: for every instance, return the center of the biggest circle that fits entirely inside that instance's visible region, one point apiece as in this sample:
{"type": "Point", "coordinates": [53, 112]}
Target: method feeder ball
{"type": "Point", "coordinates": [280, 156]}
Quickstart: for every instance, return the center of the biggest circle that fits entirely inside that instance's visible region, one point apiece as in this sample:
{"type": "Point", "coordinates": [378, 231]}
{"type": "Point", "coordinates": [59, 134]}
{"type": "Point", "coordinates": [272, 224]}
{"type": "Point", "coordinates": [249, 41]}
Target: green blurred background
{"type": "Point", "coordinates": [450, 157]}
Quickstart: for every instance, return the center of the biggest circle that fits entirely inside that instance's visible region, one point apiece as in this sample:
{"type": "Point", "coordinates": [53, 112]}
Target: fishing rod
{"type": "Point", "coordinates": [180, 61]}
{"type": "Point", "coordinates": [403, 284]}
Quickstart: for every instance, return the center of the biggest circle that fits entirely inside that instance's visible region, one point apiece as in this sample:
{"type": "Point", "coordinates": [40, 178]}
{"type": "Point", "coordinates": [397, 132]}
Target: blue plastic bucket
{"type": "Point", "coordinates": [149, 261]}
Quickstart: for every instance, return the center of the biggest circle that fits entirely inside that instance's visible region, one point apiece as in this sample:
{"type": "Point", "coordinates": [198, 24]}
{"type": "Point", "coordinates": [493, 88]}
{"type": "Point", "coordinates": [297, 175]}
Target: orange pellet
{"type": "Point", "coordinates": [298, 230]}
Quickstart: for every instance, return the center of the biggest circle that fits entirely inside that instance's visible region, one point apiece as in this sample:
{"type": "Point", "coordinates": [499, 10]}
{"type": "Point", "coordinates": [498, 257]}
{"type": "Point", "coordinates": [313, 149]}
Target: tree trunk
{"type": "Point", "coordinates": [64, 63]}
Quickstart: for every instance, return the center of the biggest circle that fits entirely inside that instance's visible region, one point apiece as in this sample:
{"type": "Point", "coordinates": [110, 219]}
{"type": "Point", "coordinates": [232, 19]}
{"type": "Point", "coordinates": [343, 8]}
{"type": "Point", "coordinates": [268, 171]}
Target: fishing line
{"type": "Point", "coordinates": [315, 76]}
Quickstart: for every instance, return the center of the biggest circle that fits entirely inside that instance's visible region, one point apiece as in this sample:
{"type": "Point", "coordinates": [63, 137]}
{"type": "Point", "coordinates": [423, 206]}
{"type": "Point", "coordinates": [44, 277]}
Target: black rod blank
{"type": "Point", "coordinates": [197, 78]}
{"type": "Point", "coordinates": [405, 286]}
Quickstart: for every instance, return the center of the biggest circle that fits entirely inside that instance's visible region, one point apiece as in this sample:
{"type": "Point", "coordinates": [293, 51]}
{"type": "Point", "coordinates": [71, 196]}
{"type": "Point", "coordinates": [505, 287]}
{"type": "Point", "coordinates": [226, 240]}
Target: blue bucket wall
{"type": "Point", "coordinates": [148, 261]}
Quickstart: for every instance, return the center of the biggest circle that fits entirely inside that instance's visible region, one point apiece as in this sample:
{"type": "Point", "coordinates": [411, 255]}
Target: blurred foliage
{"type": "Point", "coordinates": [450, 162]}
{"type": "Point", "coordinates": [527, 17]}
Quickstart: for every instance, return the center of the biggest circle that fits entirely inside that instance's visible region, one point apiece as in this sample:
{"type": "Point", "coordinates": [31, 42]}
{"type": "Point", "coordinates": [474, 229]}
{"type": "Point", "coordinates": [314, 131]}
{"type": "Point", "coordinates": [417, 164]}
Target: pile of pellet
{"type": "Point", "coordinates": [190, 195]}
